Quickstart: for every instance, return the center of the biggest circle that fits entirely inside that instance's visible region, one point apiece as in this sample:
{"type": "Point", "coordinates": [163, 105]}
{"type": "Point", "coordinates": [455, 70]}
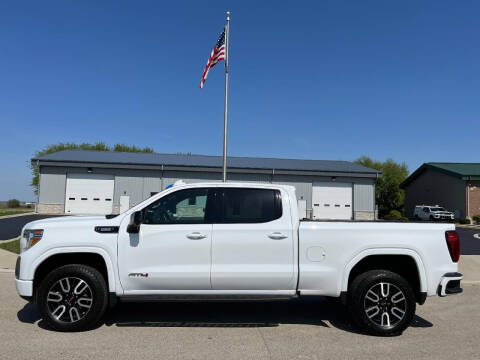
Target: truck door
{"type": "Point", "coordinates": [172, 250]}
{"type": "Point", "coordinates": [252, 246]}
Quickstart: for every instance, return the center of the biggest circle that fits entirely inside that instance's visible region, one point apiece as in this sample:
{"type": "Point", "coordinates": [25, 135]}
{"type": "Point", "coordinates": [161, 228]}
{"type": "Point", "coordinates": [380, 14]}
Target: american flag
{"type": "Point", "coordinates": [217, 54]}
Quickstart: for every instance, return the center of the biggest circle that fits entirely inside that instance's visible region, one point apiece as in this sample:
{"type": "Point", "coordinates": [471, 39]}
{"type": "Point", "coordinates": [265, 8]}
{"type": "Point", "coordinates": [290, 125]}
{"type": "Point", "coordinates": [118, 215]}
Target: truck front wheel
{"type": "Point", "coordinates": [381, 302]}
{"type": "Point", "coordinates": [72, 297]}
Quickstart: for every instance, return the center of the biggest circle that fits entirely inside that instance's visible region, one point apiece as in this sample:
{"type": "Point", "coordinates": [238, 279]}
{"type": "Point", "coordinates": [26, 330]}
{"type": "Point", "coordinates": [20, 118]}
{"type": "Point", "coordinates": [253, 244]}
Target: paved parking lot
{"type": "Point", "coordinates": [445, 328]}
{"type": "Point", "coordinates": [469, 244]}
{"type": "Point", "coordinates": [12, 226]}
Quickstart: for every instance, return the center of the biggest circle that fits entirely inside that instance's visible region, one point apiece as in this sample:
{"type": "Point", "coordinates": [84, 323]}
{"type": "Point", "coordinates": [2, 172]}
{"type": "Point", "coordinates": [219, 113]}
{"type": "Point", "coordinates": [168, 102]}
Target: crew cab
{"type": "Point", "coordinates": [233, 241]}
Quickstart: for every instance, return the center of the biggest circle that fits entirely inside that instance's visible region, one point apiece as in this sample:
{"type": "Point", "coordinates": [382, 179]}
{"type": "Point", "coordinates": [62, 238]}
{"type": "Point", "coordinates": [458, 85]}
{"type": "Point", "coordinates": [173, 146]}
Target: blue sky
{"type": "Point", "coordinates": [308, 79]}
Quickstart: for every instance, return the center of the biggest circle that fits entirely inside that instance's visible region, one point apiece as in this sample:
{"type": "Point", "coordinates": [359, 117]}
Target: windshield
{"type": "Point", "coordinates": [437, 209]}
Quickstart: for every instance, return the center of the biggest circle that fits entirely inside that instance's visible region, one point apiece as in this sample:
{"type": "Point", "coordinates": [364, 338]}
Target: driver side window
{"type": "Point", "coordinates": [181, 207]}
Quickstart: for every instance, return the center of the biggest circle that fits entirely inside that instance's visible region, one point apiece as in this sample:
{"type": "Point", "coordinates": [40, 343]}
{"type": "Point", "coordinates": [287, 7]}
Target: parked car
{"type": "Point", "coordinates": [432, 213]}
{"type": "Point", "coordinates": [233, 241]}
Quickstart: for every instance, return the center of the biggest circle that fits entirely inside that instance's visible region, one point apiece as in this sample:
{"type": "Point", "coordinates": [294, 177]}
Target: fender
{"type": "Point", "coordinates": [112, 281]}
{"type": "Point", "coordinates": [386, 251]}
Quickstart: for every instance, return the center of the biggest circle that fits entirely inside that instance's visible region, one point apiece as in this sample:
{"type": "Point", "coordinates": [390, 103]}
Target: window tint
{"type": "Point", "coordinates": [181, 207]}
{"type": "Point", "coordinates": [251, 205]}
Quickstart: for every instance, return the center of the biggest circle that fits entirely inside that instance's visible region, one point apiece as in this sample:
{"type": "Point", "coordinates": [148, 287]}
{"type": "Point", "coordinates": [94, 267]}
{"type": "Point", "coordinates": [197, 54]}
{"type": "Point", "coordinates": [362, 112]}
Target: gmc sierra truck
{"type": "Point", "coordinates": [233, 241]}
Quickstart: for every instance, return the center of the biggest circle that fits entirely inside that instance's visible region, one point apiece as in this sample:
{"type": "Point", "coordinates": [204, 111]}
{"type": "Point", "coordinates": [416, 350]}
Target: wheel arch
{"type": "Point", "coordinates": [95, 257]}
{"type": "Point", "coordinates": [405, 262]}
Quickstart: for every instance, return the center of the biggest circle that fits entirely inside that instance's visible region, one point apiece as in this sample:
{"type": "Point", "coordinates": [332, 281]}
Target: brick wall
{"type": "Point", "coordinates": [474, 197]}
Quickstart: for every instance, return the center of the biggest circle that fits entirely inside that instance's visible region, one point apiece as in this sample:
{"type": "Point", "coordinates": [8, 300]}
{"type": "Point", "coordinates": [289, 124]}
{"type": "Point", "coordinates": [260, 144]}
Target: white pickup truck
{"type": "Point", "coordinates": [233, 241]}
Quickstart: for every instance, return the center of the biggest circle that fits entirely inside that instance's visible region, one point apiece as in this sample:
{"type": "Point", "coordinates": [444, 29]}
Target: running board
{"type": "Point", "coordinates": [203, 298]}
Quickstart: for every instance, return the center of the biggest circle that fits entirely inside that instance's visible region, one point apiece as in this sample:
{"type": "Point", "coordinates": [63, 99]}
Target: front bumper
{"type": "Point", "coordinates": [24, 288]}
{"type": "Point", "coordinates": [443, 217]}
{"type": "Point", "coordinates": [450, 284]}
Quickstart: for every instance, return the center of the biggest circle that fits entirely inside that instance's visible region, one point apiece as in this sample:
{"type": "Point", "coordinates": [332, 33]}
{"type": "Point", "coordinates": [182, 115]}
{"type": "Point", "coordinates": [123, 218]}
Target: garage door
{"type": "Point", "coordinates": [332, 201]}
{"type": "Point", "coordinates": [89, 194]}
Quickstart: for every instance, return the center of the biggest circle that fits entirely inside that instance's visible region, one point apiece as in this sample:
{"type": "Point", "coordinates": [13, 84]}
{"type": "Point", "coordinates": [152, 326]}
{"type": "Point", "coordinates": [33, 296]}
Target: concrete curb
{"type": "Point", "coordinates": [467, 226]}
{"type": "Point", "coordinates": [9, 240]}
{"type": "Point", "coordinates": [7, 259]}
{"type": "Point", "coordinates": [17, 215]}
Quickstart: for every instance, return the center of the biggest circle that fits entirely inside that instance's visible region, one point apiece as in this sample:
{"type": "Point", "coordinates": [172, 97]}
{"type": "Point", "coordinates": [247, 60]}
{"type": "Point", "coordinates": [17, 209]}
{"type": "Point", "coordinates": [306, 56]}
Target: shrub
{"type": "Point", "coordinates": [395, 215]}
{"type": "Point", "coordinates": [476, 218]}
{"type": "Point", "coordinates": [464, 221]}
{"type": "Point", "coordinates": [13, 203]}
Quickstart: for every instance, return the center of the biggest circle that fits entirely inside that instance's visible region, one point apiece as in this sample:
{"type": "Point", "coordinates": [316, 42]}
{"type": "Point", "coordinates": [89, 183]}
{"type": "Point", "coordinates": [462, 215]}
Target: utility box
{"type": "Point", "coordinates": [124, 203]}
{"type": "Point", "coordinates": [302, 209]}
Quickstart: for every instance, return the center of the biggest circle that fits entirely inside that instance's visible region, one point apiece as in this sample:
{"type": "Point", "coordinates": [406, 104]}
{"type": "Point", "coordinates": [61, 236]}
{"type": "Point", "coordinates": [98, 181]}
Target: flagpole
{"type": "Point", "coordinates": [225, 117]}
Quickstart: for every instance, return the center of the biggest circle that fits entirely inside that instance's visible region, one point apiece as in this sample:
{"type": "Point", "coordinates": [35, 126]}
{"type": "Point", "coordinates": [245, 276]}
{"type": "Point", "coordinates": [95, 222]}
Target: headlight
{"type": "Point", "coordinates": [32, 237]}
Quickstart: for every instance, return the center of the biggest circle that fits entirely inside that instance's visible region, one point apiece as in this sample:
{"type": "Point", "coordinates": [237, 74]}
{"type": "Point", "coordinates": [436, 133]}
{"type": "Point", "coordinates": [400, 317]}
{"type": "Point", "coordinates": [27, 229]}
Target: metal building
{"type": "Point", "coordinates": [104, 182]}
{"type": "Point", "coordinates": [454, 186]}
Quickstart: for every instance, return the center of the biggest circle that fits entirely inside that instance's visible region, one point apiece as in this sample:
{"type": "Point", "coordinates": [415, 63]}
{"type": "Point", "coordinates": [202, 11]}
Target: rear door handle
{"type": "Point", "coordinates": [277, 236]}
{"type": "Point", "coordinates": [196, 236]}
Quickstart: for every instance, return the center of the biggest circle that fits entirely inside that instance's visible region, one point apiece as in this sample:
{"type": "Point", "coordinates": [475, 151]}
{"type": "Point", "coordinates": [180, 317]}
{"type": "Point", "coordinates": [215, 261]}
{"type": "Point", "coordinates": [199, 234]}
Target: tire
{"type": "Point", "coordinates": [363, 304]}
{"type": "Point", "coordinates": [432, 218]}
{"type": "Point", "coordinates": [417, 218]}
{"type": "Point", "coordinates": [72, 298]}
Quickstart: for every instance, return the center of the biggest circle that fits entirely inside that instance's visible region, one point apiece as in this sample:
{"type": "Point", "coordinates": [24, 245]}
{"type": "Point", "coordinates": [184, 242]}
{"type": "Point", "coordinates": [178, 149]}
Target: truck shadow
{"type": "Point", "coordinates": [315, 311]}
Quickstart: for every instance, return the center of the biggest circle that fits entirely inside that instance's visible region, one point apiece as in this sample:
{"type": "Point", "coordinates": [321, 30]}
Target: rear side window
{"type": "Point", "coordinates": [250, 205]}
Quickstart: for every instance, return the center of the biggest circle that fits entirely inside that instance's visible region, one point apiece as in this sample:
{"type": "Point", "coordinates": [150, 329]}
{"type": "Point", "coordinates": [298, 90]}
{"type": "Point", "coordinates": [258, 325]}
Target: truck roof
{"type": "Point", "coordinates": [235, 184]}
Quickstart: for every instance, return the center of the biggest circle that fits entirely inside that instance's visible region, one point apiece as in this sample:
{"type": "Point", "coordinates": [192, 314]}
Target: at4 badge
{"type": "Point", "coordinates": [136, 275]}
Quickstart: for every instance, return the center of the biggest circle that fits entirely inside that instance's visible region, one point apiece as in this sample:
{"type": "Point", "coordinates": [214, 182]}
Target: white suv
{"type": "Point", "coordinates": [432, 213]}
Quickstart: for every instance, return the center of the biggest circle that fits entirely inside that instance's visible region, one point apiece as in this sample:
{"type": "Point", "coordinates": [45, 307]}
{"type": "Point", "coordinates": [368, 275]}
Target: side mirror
{"type": "Point", "coordinates": [135, 222]}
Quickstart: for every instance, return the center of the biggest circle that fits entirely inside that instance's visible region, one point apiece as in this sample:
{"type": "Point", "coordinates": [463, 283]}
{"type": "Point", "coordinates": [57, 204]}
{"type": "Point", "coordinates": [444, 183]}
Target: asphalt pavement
{"type": "Point", "coordinates": [12, 226]}
{"type": "Point", "coordinates": [444, 328]}
{"type": "Point", "coordinates": [469, 244]}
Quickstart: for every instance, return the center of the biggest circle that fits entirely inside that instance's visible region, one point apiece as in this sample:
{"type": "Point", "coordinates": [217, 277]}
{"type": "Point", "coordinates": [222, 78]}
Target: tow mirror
{"type": "Point", "coordinates": [135, 222]}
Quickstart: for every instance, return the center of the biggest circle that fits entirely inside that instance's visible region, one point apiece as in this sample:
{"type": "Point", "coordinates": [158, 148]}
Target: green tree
{"type": "Point", "coordinates": [388, 194]}
{"type": "Point", "coordinates": [133, 148]}
{"type": "Point", "coordinates": [13, 203]}
{"type": "Point", "coordinates": [99, 146]}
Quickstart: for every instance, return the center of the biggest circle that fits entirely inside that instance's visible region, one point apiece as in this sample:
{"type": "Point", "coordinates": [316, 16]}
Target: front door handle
{"type": "Point", "coordinates": [196, 236]}
{"type": "Point", "coordinates": [277, 236]}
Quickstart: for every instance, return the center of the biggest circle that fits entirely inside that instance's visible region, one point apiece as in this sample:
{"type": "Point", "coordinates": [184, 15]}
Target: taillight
{"type": "Point", "coordinates": [453, 243]}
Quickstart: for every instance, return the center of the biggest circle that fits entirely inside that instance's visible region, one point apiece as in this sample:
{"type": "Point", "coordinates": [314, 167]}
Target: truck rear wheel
{"type": "Point", "coordinates": [381, 302]}
{"type": "Point", "coordinates": [72, 298]}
